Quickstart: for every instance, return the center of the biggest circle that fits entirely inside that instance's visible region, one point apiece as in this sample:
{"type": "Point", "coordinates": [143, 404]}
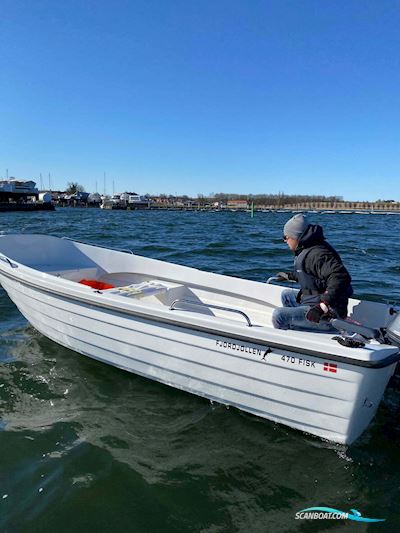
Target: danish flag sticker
{"type": "Point", "coordinates": [330, 367]}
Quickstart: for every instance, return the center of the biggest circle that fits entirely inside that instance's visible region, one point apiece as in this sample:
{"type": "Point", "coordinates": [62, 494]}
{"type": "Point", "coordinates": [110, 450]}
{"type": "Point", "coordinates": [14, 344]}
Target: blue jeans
{"type": "Point", "coordinates": [293, 315]}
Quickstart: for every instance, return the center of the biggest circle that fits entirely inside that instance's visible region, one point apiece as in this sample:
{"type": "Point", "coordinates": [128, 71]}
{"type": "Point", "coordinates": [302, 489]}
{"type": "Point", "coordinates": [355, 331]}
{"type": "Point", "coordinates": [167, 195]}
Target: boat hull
{"type": "Point", "coordinates": [335, 401]}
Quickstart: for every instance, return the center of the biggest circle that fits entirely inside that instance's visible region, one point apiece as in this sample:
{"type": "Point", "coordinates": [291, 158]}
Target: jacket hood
{"type": "Point", "coordinates": [311, 236]}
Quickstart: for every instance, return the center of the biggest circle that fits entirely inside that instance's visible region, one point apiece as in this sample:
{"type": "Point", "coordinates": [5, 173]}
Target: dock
{"type": "Point", "coordinates": [26, 206]}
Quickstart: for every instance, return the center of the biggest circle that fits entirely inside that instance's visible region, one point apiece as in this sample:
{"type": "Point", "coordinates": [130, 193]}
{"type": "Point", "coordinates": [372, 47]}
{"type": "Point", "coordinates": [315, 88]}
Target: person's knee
{"type": "Point", "coordinates": [288, 298]}
{"type": "Point", "coordinates": [279, 319]}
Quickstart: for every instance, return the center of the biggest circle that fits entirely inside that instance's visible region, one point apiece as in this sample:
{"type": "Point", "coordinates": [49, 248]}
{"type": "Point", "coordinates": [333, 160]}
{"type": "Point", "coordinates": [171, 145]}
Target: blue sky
{"type": "Point", "coordinates": [200, 96]}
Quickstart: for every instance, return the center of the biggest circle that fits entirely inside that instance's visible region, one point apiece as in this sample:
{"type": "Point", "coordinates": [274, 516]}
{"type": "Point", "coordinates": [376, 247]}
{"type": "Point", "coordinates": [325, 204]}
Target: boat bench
{"type": "Point", "coordinates": [72, 274]}
{"type": "Point", "coordinates": [152, 287]}
{"type": "Point", "coordinates": [125, 283]}
{"type": "Point", "coordinates": [160, 291]}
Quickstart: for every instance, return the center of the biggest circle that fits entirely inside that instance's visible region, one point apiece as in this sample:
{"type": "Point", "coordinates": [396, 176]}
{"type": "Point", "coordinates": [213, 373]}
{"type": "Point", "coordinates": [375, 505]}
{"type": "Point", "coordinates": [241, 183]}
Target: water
{"type": "Point", "coordinates": [88, 448]}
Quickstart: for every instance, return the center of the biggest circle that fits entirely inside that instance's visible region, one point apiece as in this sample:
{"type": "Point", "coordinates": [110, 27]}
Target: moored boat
{"type": "Point", "coordinates": [204, 333]}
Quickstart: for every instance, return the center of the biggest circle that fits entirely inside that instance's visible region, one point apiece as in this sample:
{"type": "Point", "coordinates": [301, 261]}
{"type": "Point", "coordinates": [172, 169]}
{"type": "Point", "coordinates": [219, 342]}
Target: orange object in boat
{"type": "Point", "coordinates": [99, 285]}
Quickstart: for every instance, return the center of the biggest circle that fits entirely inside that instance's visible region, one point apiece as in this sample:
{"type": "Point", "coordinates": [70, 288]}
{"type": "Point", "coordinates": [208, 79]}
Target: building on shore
{"type": "Point", "coordinates": [20, 195]}
{"type": "Point", "coordinates": [237, 204]}
{"type": "Point", "coordinates": [15, 190]}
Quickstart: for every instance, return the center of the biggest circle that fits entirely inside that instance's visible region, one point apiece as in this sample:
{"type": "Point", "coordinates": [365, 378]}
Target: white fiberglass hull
{"type": "Point", "coordinates": [333, 400]}
{"type": "Point", "coordinates": [282, 386]}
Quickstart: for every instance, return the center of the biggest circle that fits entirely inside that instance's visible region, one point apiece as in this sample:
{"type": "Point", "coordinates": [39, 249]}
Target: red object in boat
{"type": "Point", "coordinates": [99, 285]}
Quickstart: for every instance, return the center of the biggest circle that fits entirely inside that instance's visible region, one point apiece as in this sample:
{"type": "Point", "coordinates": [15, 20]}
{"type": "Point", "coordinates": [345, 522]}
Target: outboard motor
{"type": "Point", "coordinates": [354, 334]}
{"type": "Point", "coordinates": [393, 331]}
{"type": "Point", "coordinates": [392, 335]}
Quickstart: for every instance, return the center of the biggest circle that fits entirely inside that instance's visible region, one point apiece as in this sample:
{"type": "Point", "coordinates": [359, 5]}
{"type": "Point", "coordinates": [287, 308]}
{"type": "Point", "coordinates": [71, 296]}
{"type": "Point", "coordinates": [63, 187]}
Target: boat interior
{"type": "Point", "coordinates": [153, 290]}
{"type": "Point", "coordinates": [163, 291]}
{"type": "Point", "coordinates": [161, 284]}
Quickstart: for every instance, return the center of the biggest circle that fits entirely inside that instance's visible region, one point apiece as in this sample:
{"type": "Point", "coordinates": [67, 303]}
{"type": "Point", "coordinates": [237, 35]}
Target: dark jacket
{"type": "Point", "coordinates": [323, 263]}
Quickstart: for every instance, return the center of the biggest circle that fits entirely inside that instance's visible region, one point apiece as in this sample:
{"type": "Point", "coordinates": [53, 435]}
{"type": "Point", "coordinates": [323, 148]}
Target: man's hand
{"type": "Point", "coordinates": [283, 276]}
{"type": "Point", "coordinates": [317, 312]}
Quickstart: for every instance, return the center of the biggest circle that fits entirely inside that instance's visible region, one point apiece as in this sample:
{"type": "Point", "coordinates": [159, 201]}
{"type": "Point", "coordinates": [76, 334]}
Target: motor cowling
{"type": "Point", "coordinates": [393, 330]}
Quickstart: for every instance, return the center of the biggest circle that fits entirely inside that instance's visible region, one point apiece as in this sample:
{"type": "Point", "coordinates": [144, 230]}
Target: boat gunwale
{"type": "Point", "coordinates": [91, 301]}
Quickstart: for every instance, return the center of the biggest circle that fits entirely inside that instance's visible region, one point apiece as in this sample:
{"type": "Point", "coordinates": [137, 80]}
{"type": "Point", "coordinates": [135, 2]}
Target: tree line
{"type": "Point", "coordinates": [277, 200]}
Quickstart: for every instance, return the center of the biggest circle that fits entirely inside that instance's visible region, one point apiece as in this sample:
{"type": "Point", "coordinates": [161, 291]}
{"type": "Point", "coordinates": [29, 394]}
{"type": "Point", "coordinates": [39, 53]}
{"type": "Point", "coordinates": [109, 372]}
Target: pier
{"type": "Point", "coordinates": [26, 206]}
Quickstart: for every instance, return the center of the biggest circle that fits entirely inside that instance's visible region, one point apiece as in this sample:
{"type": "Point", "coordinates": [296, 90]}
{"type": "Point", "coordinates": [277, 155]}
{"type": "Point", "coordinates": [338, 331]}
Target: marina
{"type": "Point", "coordinates": [199, 267]}
{"type": "Point", "coordinates": [23, 195]}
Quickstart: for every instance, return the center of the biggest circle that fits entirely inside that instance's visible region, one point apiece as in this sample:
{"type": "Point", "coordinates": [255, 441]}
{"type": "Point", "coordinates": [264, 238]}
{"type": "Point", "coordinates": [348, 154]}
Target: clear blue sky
{"type": "Point", "coordinates": [200, 96]}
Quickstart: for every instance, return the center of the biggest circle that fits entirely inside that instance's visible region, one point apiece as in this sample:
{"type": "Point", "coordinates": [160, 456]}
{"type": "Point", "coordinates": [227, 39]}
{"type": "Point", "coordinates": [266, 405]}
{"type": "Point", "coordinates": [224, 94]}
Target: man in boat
{"type": "Point", "coordinates": [325, 284]}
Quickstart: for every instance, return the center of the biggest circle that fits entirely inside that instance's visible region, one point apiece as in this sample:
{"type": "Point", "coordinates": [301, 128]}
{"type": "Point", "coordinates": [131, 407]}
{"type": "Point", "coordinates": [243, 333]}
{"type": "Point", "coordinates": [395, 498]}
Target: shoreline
{"type": "Point", "coordinates": [29, 207]}
{"type": "Point", "coordinates": [7, 207]}
{"type": "Point", "coordinates": [245, 210]}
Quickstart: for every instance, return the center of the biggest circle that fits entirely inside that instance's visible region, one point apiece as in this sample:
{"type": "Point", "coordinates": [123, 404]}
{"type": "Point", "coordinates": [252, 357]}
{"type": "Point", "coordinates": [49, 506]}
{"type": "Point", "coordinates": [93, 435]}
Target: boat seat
{"type": "Point", "coordinates": [72, 274]}
{"type": "Point", "coordinates": [160, 292]}
{"type": "Point", "coordinates": [145, 288]}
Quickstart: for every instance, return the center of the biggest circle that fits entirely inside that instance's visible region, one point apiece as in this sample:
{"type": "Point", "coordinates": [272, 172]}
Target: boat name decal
{"type": "Point", "coordinates": [242, 348]}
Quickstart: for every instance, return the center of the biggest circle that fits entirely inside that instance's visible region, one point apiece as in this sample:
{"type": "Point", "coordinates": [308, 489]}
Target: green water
{"type": "Point", "coordinates": [85, 447]}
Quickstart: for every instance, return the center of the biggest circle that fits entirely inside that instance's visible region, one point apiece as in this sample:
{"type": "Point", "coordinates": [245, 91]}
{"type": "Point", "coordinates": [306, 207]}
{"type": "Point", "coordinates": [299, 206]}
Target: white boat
{"type": "Point", "coordinates": [204, 333]}
{"type": "Point", "coordinates": [133, 199]}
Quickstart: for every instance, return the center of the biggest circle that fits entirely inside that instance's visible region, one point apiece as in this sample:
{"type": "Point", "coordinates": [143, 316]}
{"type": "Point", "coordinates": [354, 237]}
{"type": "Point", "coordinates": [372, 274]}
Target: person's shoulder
{"type": "Point", "coordinates": [319, 247]}
{"type": "Point", "coordinates": [323, 245]}
{"type": "Point", "coordinates": [320, 250]}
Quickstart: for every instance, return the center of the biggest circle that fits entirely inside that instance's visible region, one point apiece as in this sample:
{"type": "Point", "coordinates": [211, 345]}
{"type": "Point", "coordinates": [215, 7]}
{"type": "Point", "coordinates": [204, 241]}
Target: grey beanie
{"type": "Point", "coordinates": [295, 226]}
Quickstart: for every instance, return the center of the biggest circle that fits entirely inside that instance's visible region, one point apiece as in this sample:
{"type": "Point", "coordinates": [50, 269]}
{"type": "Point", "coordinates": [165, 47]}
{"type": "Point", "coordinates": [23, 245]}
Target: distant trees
{"type": "Point", "coordinates": [274, 200]}
{"type": "Point", "coordinates": [73, 187]}
{"type": "Point", "coordinates": [277, 200]}
{"type": "Point", "coordinates": [201, 199]}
